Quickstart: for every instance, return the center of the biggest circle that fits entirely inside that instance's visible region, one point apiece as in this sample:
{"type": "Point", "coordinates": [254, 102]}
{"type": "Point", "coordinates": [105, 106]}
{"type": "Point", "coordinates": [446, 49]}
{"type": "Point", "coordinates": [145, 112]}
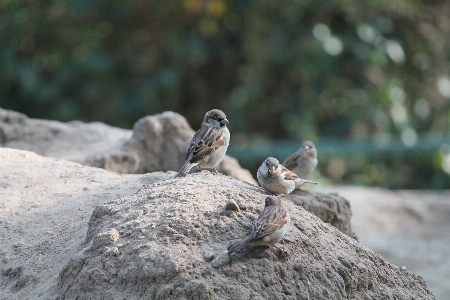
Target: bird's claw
{"type": "Point", "coordinates": [283, 251]}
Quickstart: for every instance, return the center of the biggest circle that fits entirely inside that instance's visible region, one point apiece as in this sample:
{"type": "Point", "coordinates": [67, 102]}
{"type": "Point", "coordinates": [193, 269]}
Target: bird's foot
{"type": "Point", "coordinates": [215, 172]}
{"type": "Point", "coordinates": [282, 250]}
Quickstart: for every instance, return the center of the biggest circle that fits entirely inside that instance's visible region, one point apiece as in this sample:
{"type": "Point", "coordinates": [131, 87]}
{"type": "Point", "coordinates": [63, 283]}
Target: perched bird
{"type": "Point", "coordinates": [269, 228]}
{"type": "Point", "coordinates": [304, 161]}
{"type": "Point", "coordinates": [275, 178]}
{"type": "Point", "coordinates": [209, 144]}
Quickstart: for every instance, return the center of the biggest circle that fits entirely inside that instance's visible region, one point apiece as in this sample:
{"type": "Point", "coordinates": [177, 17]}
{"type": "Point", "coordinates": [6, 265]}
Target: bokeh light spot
{"type": "Point", "coordinates": [395, 51]}
{"type": "Point", "coordinates": [422, 108]}
{"type": "Point", "coordinates": [399, 114]}
{"type": "Point", "coordinates": [321, 31]}
{"type": "Point", "coordinates": [366, 33]}
{"type": "Point", "coordinates": [409, 137]}
{"type": "Point", "coordinates": [397, 95]}
{"type": "Point", "coordinates": [333, 45]}
{"type": "Point", "coordinates": [443, 85]}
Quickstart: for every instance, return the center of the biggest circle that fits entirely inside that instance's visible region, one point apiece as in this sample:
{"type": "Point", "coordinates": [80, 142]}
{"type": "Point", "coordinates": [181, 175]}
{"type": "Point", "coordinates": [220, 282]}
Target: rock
{"type": "Point", "coordinates": [157, 143]}
{"type": "Point", "coordinates": [167, 231]}
{"type": "Point", "coordinates": [71, 141]}
{"type": "Point", "coordinates": [232, 205]}
{"type": "Point", "coordinates": [221, 259]}
{"type": "Point", "coordinates": [329, 207]}
{"type": "Point", "coordinates": [45, 206]}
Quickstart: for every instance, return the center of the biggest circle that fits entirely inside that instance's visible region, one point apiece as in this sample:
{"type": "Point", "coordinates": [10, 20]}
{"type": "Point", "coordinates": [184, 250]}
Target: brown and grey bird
{"type": "Point", "coordinates": [304, 161]}
{"type": "Point", "coordinates": [209, 144]}
{"type": "Point", "coordinates": [269, 228]}
{"type": "Point", "coordinates": [275, 178]}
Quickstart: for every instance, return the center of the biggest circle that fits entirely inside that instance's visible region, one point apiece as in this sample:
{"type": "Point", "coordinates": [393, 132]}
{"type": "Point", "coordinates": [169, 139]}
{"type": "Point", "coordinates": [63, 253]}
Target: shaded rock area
{"type": "Point", "coordinates": [329, 207]}
{"type": "Point", "coordinates": [157, 244]}
{"type": "Point", "coordinates": [157, 143]}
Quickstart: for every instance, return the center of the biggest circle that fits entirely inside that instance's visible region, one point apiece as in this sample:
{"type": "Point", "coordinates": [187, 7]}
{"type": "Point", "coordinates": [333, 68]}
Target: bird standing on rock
{"type": "Point", "coordinates": [209, 144]}
{"type": "Point", "coordinates": [275, 178]}
{"type": "Point", "coordinates": [304, 161]}
{"type": "Point", "coordinates": [269, 228]}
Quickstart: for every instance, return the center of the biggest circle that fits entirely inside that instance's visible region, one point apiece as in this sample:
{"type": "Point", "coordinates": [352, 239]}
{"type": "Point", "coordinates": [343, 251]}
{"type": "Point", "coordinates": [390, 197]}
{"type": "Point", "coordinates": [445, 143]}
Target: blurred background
{"type": "Point", "coordinates": [366, 81]}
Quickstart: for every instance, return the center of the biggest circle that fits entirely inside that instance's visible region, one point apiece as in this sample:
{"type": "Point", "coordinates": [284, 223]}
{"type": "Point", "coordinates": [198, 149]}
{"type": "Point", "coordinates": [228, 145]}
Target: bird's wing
{"type": "Point", "coordinates": [293, 161]}
{"type": "Point", "coordinates": [288, 175]}
{"type": "Point", "coordinates": [271, 219]}
{"type": "Point", "coordinates": [206, 140]}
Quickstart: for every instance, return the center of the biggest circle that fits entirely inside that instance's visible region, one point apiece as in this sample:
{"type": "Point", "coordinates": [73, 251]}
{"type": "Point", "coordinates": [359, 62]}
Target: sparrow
{"type": "Point", "coordinates": [269, 228]}
{"type": "Point", "coordinates": [275, 178]}
{"type": "Point", "coordinates": [304, 161]}
{"type": "Point", "coordinates": [209, 144]}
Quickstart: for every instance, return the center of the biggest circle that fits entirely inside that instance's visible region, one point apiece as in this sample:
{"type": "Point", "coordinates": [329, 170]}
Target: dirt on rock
{"type": "Point", "coordinates": [158, 244]}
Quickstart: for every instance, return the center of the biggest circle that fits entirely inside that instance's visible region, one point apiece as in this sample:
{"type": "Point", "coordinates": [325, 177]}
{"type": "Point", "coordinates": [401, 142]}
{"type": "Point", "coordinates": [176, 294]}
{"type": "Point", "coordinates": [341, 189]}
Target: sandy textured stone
{"type": "Point", "coordinates": [170, 230]}
{"type": "Point", "coordinates": [329, 207]}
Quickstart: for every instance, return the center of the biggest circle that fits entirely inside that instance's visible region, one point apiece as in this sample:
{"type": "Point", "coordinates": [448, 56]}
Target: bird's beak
{"type": "Point", "coordinates": [224, 121]}
{"type": "Point", "coordinates": [272, 170]}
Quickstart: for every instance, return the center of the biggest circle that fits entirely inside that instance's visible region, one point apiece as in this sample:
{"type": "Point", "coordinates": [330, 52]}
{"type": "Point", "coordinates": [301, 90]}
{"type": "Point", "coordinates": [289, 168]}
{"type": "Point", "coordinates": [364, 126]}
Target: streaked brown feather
{"type": "Point", "coordinates": [200, 148]}
{"type": "Point", "coordinates": [288, 175]}
{"type": "Point", "coordinates": [271, 219]}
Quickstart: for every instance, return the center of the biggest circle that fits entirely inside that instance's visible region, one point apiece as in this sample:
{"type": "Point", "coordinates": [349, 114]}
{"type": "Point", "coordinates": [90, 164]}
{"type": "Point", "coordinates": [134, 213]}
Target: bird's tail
{"type": "Point", "coordinates": [235, 246]}
{"type": "Point", "coordinates": [308, 181]}
{"type": "Point", "coordinates": [300, 181]}
{"type": "Point", "coordinates": [184, 170]}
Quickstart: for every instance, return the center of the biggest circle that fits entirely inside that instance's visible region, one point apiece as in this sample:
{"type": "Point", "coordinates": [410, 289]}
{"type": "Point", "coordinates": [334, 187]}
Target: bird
{"type": "Point", "coordinates": [269, 228]}
{"type": "Point", "coordinates": [208, 145]}
{"type": "Point", "coordinates": [304, 161]}
{"type": "Point", "coordinates": [276, 179]}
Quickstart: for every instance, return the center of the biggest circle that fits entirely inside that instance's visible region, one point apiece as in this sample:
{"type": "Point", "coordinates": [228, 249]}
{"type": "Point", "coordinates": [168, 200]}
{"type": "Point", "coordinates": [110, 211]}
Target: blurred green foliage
{"type": "Point", "coordinates": [348, 69]}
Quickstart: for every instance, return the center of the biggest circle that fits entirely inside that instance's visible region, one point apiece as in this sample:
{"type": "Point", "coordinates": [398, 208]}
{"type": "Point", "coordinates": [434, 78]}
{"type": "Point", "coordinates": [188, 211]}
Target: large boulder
{"type": "Point", "coordinates": [158, 244]}
{"type": "Point", "coordinates": [71, 141]}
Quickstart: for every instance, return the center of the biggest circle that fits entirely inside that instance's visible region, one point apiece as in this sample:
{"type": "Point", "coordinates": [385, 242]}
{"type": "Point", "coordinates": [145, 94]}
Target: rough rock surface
{"type": "Point", "coordinates": [45, 205]}
{"type": "Point", "coordinates": [329, 207]}
{"type": "Point", "coordinates": [157, 143]}
{"type": "Point", "coordinates": [158, 244]}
